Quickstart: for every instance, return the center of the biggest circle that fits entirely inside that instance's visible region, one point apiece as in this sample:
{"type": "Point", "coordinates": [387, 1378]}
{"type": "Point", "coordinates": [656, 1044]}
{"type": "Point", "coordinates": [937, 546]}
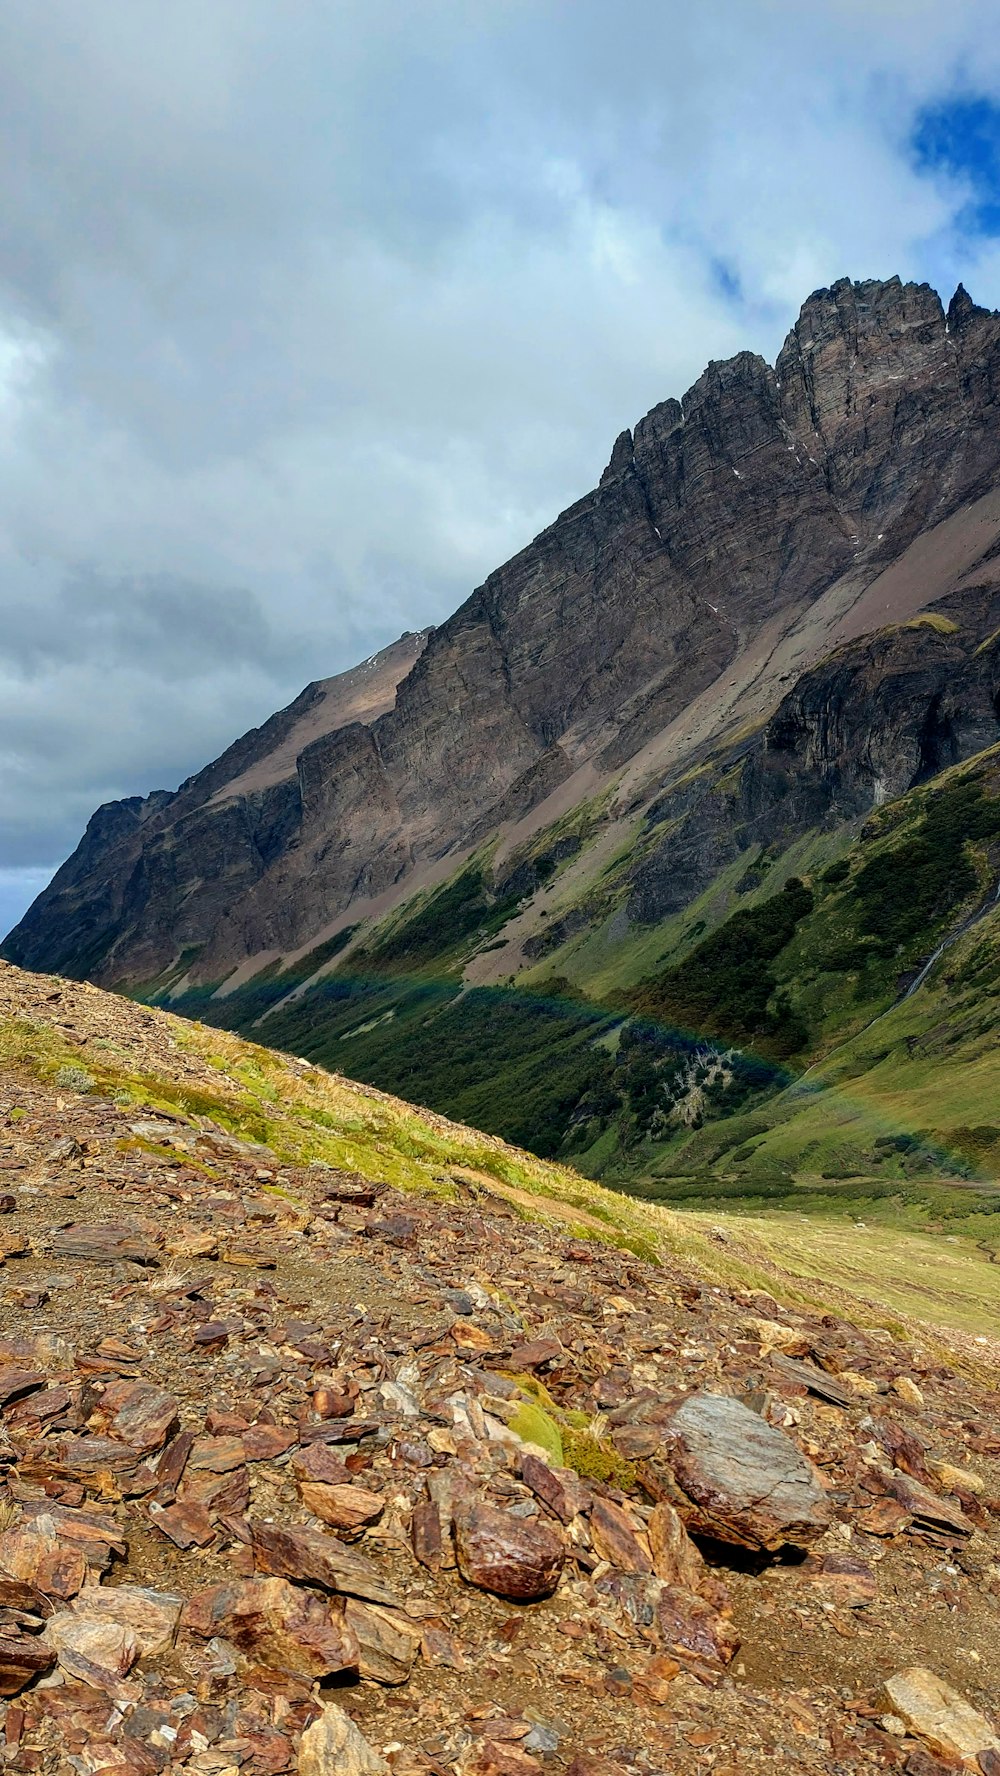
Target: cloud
{"type": "Point", "coordinates": [311, 315]}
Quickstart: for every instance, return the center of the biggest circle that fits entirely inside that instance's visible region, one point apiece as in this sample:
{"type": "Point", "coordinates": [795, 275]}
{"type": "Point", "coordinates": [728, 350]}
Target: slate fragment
{"type": "Point", "coordinates": [23, 1657]}
{"type": "Point", "coordinates": [104, 1242]}
{"type": "Point", "coordinates": [317, 1559]}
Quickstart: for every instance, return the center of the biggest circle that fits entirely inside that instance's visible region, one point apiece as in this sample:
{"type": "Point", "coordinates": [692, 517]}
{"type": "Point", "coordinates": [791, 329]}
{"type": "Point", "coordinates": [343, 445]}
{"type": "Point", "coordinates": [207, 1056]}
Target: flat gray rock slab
{"type": "Point", "coordinates": [741, 1480]}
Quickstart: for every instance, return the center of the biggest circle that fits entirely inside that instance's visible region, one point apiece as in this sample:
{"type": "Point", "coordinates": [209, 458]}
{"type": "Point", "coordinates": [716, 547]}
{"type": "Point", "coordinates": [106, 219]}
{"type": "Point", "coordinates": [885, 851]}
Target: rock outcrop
{"type": "Point", "coordinates": [881, 715]}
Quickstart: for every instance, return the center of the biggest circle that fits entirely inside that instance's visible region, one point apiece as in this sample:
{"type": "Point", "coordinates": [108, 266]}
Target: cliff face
{"type": "Point", "coordinates": [721, 518]}
{"type": "Point", "coordinates": [880, 716]}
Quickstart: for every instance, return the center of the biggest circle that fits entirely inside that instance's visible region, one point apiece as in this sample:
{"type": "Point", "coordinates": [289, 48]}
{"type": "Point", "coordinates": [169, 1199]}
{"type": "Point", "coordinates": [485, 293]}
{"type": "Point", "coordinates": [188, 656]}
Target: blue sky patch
{"type": "Point", "coordinates": [962, 137]}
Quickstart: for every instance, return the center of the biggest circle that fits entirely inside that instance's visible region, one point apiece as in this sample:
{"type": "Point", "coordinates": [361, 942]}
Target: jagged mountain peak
{"type": "Point", "coordinates": [732, 534]}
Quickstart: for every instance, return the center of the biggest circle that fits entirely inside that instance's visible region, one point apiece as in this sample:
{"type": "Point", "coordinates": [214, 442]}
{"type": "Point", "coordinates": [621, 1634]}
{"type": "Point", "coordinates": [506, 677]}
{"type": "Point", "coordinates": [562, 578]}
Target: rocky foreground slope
{"type": "Point", "coordinates": [302, 1471]}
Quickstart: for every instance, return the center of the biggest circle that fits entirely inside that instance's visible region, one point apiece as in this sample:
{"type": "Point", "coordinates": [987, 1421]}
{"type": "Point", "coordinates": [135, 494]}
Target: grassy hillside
{"type": "Point", "coordinates": [78, 1040]}
{"type": "Point", "coordinates": [756, 1050]}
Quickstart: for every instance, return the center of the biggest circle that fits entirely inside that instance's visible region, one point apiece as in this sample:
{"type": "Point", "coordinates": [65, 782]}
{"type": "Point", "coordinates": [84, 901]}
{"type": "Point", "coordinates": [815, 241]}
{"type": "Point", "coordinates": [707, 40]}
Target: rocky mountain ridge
{"type": "Point", "coordinates": [733, 536]}
{"type": "Point", "coordinates": [290, 1483]}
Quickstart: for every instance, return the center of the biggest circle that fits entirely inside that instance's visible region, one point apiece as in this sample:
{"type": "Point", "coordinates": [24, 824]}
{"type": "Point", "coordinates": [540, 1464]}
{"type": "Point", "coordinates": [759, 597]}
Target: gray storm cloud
{"type": "Point", "coordinates": [311, 314]}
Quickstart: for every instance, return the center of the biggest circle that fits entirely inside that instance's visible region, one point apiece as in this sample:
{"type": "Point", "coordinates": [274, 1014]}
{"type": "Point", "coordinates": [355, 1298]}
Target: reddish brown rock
{"type": "Point", "coordinates": [276, 1624]}
{"type": "Point", "coordinates": [425, 1533]}
{"type": "Point", "coordinates": [105, 1242]}
{"type": "Point", "coordinates": [615, 1539]}
{"type": "Point", "coordinates": [676, 1560]}
{"type": "Point", "coordinates": [536, 1353]}
{"type": "Point", "coordinates": [691, 1627]}
{"type": "Point", "coordinates": [388, 1641]}
{"type": "Point", "coordinates": [347, 1509]}
{"type": "Point", "coordinates": [216, 1455]}
{"type": "Point", "coordinates": [334, 1746]}
{"type": "Point", "coordinates": [18, 1597]}
{"type": "Point", "coordinates": [23, 1657]}
{"type": "Point", "coordinates": [14, 1382]}
{"type": "Point", "coordinates": [142, 1415]}
{"type": "Point", "coordinates": [515, 1558]}
{"type": "Point", "coordinates": [151, 1617]}
{"type": "Point", "coordinates": [186, 1525]}
{"type": "Point", "coordinates": [886, 1517]}
{"type": "Point", "coordinates": [317, 1559]}
{"type": "Point", "coordinates": [222, 1495]}
{"type": "Point", "coordinates": [264, 1442]}
{"type": "Point", "coordinates": [845, 1580]}
{"type": "Point", "coordinates": [38, 1555]}
{"type": "Point", "coordinates": [559, 1488]}
{"type": "Point", "coordinates": [98, 1650]}
{"type": "Point", "coordinates": [99, 1537]}
{"type": "Point", "coordinates": [941, 1518]}
{"type": "Point", "coordinates": [319, 1463]}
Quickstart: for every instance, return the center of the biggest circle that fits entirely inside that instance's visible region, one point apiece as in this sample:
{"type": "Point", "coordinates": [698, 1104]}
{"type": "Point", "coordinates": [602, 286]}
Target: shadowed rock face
{"type": "Point", "coordinates": [881, 715]}
{"type": "Point", "coordinates": [736, 508]}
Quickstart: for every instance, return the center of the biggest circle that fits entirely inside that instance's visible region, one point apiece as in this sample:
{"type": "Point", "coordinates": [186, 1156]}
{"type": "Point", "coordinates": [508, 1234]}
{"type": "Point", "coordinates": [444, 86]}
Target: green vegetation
{"type": "Point", "coordinates": [726, 988]}
{"type": "Point", "coordinates": [752, 1058]}
{"type": "Point", "coordinates": [905, 892]}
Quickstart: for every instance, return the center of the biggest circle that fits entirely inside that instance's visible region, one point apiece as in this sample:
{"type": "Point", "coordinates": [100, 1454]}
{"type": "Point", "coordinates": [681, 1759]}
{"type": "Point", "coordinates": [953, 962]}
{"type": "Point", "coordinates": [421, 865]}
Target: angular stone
{"type": "Point", "coordinates": [334, 1746]}
{"type": "Point", "coordinates": [319, 1463]}
{"type": "Point", "coordinates": [317, 1559]}
{"type": "Point", "coordinates": [105, 1242]}
{"type": "Point", "coordinates": [614, 1538]}
{"type": "Point", "coordinates": [15, 1382]}
{"type": "Point", "coordinates": [535, 1354]}
{"type": "Point", "coordinates": [940, 1517]}
{"type": "Point", "coordinates": [559, 1488]}
{"type": "Point", "coordinates": [387, 1640]}
{"type": "Point", "coordinates": [151, 1616]}
{"type": "Point", "coordinates": [97, 1650]}
{"type": "Point", "coordinates": [22, 1658]}
{"type": "Point", "coordinates": [347, 1509]}
{"type": "Point", "coordinates": [216, 1455]}
{"type": "Point", "coordinates": [845, 1580]}
{"type": "Point", "coordinates": [507, 1555]}
{"type": "Point", "coordinates": [92, 1455]}
{"type": "Point", "coordinates": [186, 1525]}
{"type": "Point", "coordinates": [886, 1517]}
{"type": "Point", "coordinates": [264, 1442]}
{"type": "Point", "coordinates": [98, 1536]}
{"type": "Point", "coordinates": [676, 1560]}
{"type": "Point", "coordinates": [171, 1465]}
{"type": "Point", "coordinates": [142, 1415]}
{"type": "Point", "coordinates": [39, 1556]}
{"type": "Point", "coordinates": [275, 1624]}
{"type": "Point", "coordinates": [940, 1715]}
{"type": "Point", "coordinates": [816, 1381]}
{"type": "Point", "coordinates": [22, 1598]}
{"type": "Point", "coordinates": [425, 1534]}
{"type": "Point", "coordinates": [689, 1625]}
{"type": "Point", "coordinates": [739, 1479]}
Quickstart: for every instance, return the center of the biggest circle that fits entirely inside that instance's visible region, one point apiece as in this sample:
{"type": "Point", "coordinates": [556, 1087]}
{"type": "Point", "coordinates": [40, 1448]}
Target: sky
{"type": "Point", "coordinates": [314, 311]}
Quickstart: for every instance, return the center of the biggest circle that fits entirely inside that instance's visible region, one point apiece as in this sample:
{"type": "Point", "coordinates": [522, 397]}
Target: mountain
{"type": "Point", "coordinates": [569, 865]}
{"type": "Point", "coordinates": [293, 1482]}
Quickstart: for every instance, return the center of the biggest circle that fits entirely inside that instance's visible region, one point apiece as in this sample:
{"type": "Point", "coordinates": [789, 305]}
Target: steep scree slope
{"type": "Point", "coordinates": [292, 1479]}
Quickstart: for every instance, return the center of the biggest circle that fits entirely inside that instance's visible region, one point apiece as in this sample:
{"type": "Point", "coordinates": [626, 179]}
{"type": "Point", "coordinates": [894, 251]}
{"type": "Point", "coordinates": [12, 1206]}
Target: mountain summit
{"type": "Point", "coordinates": [735, 536]}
